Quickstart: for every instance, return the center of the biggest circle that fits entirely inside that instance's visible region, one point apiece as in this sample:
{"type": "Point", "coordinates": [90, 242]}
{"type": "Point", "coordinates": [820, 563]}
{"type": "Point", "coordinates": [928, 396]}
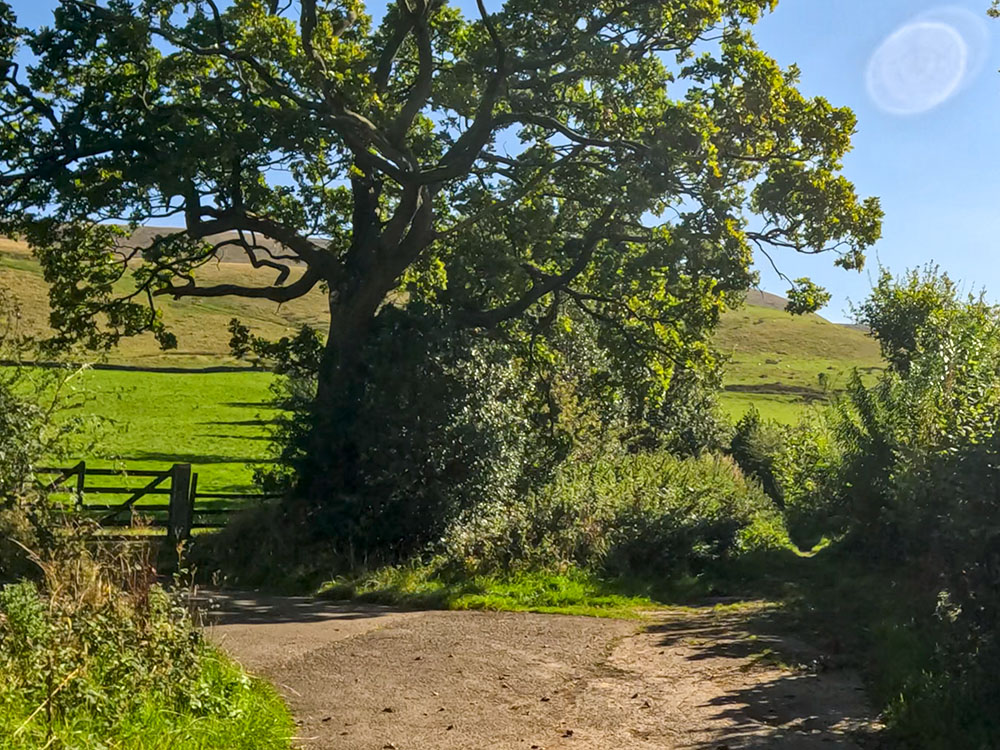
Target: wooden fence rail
{"type": "Point", "coordinates": [178, 517]}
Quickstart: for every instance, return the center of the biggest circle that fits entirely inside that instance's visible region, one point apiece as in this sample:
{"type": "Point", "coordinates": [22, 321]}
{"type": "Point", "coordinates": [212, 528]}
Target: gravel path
{"type": "Point", "coordinates": [370, 678]}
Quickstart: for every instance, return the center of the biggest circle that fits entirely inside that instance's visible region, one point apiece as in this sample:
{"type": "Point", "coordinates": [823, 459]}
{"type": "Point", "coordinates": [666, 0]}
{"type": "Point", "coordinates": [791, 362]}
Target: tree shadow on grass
{"type": "Point", "coordinates": [241, 422]}
{"type": "Point", "coordinates": [191, 458]}
{"type": "Point", "coordinates": [264, 438]}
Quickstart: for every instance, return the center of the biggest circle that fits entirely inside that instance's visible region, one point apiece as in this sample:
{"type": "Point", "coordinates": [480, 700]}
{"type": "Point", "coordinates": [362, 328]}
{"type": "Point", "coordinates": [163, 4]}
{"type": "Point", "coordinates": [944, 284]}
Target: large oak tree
{"type": "Point", "coordinates": [620, 160]}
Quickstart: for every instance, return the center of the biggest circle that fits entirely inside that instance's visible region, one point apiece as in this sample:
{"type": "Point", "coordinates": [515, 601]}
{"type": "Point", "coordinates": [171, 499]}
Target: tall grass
{"type": "Point", "coordinates": [95, 653]}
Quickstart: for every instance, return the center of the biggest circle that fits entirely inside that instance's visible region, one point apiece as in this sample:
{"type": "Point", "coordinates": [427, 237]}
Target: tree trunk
{"type": "Point", "coordinates": [331, 462]}
{"type": "Point", "coordinates": [330, 465]}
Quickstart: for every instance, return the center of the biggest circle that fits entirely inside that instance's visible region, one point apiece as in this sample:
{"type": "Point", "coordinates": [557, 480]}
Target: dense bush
{"type": "Point", "coordinates": [442, 424]}
{"type": "Point", "coordinates": [643, 514]}
{"type": "Point", "coordinates": [451, 419]}
{"type": "Point", "coordinates": [909, 469]}
{"type": "Point", "coordinates": [754, 446]}
{"type": "Point", "coordinates": [806, 466]}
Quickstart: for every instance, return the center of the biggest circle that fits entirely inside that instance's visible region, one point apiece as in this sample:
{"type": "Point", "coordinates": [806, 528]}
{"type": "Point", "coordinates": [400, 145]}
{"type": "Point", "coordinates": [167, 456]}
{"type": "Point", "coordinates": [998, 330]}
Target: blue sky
{"type": "Point", "coordinates": [936, 171]}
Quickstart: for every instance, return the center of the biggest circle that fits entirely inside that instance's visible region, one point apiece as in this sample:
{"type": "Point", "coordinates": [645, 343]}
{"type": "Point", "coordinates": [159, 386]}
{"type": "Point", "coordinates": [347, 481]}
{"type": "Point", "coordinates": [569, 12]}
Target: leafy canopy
{"type": "Point", "coordinates": [520, 168]}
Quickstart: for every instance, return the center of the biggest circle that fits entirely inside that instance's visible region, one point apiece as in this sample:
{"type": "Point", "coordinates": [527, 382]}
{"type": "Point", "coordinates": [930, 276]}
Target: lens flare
{"type": "Point", "coordinates": [918, 67]}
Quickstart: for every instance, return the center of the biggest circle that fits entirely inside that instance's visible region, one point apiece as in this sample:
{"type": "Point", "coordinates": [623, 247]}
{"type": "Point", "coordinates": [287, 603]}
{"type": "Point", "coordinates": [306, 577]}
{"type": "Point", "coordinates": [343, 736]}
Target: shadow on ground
{"type": "Point", "coordinates": [802, 697]}
{"type": "Point", "coordinates": [258, 609]}
{"type": "Point", "coordinates": [359, 677]}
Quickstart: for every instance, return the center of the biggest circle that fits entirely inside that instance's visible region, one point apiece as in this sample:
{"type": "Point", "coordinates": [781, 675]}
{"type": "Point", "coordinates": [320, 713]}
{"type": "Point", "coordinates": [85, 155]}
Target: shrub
{"type": "Point", "coordinates": [753, 446]}
{"type": "Point", "coordinates": [29, 399]}
{"type": "Point", "coordinates": [807, 468]}
{"type": "Point", "coordinates": [644, 514]}
{"type": "Point", "coordinates": [97, 654]}
{"type": "Point", "coordinates": [447, 418]}
{"type": "Point", "coordinates": [441, 425]}
{"type": "Point", "coordinates": [913, 476]}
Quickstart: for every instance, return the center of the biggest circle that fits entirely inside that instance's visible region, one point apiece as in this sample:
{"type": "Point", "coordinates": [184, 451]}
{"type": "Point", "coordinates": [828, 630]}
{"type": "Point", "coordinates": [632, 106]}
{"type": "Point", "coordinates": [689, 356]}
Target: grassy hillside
{"type": "Point", "coordinates": [782, 363]}
{"type": "Point", "coordinates": [219, 421]}
{"type": "Point", "coordinates": [200, 324]}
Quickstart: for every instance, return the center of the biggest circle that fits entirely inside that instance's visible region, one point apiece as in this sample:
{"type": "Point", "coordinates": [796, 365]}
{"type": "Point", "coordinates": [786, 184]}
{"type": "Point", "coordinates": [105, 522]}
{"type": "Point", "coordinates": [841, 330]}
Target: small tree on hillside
{"type": "Point", "coordinates": [507, 170]}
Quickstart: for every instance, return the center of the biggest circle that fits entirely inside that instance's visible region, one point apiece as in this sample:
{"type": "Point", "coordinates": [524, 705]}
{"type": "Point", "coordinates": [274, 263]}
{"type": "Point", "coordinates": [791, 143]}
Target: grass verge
{"type": "Point", "coordinates": [255, 719]}
{"type": "Point", "coordinates": [427, 586]}
{"type": "Point", "coordinates": [569, 592]}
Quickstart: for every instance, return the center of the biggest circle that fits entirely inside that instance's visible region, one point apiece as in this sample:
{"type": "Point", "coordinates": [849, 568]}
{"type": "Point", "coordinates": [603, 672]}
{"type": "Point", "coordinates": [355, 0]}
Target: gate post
{"type": "Point", "coordinates": [81, 479]}
{"type": "Point", "coordinates": [179, 517]}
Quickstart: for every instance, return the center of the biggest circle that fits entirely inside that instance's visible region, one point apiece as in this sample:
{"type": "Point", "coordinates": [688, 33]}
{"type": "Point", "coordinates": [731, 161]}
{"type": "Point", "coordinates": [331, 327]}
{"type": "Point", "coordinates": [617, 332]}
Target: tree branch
{"type": "Point", "coordinates": [296, 289]}
{"type": "Point", "coordinates": [544, 284]}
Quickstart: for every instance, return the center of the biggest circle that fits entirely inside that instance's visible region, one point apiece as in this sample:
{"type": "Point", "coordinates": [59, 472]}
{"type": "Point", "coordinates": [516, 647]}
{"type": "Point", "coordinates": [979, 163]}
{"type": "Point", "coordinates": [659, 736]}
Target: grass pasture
{"type": "Point", "coordinates": [784, 364]}
{"type": "Point", "coordinates": [218, 422]}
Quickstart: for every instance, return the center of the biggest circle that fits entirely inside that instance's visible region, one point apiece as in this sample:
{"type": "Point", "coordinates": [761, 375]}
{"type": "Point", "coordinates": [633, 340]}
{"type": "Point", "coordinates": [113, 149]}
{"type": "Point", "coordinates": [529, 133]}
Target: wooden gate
{"type": "Point", "coordinates": [177, 517]}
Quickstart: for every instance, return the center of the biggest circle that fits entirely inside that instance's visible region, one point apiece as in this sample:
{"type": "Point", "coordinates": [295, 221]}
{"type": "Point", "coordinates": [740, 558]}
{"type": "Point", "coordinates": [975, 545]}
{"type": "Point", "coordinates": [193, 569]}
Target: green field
{"type": "Point", "coordinates": [219, 421]}
{"type": "Point", "coordinates": [216, 421]}
{"type": "Point", "coordinates": [785, 365]}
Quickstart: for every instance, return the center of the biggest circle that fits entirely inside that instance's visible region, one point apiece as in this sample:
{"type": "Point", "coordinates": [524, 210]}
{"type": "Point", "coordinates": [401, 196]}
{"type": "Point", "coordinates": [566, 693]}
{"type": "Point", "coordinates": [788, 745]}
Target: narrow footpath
{"type": "Point", "coordinates": [370, 678]}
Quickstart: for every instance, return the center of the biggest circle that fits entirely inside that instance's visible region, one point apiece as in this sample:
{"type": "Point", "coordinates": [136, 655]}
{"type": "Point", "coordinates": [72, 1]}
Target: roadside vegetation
{"type": "Point", "coordinates": [94, 651]}
{"type": "Point", "coordinates": [494, 382]}
{"type": "Point", "coordinates": [868, 519]}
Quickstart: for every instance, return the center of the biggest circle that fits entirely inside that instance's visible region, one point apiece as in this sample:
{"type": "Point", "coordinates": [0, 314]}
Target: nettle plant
{"type": "Point", "coordinates": [507, 168]}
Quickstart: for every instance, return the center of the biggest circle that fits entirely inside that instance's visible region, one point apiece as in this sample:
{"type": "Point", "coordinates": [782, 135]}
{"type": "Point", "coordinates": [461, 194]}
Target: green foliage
{"type": "Point", "coordinates": [807, 467]}
{"type": "Point", "coordinates": [800, 468]}
{"type": "Point", "coordinates": [297, 356]}
{"type": "Point", "coordinates": [689, 419]}
{"type": "Point", "coordinates": [27, 429]}
{"type": "Point", "coordinates": [654, 146]}
{"type": "Point", "coordinates": [806, 297]}
{"type": "Point", "coordinates": [85, 668]}
{"type": "Point", "coordinates": [907, 469]}
{"type": "Point", "coordinates": [753, 446]}
{"type": "Point", "coordinates": [445, 424]}
{"type": "Point", "coordinates": [29, 432]}
{"type": "Point", "coordinates": [645, 515]}
{"type": "Point", "coordinates": [898, 312]}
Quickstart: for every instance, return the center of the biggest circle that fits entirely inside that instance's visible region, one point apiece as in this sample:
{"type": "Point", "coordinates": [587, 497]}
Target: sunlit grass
{"type": "Point", "coordinates": [255, 719]}
{"type": "Point", "coordinates": [218, 422]}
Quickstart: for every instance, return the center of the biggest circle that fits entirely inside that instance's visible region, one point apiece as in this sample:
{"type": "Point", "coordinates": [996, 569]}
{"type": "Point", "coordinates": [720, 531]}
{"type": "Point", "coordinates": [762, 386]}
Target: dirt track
{"type": "Point", "coordinates": [371, 678]}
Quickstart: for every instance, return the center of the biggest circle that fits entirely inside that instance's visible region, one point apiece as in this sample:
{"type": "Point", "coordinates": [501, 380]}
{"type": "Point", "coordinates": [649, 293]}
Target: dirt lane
{"type": "Point", "coordinates": [373, 678]}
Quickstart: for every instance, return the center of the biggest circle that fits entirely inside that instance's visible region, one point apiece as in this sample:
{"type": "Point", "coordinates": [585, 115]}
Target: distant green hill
{"type": "Point", "coordinates": [783, 363]}
{"type": "Point", "coordinates": [776, 359]}
{"type": "Point", "coordinates": [200, 324]}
